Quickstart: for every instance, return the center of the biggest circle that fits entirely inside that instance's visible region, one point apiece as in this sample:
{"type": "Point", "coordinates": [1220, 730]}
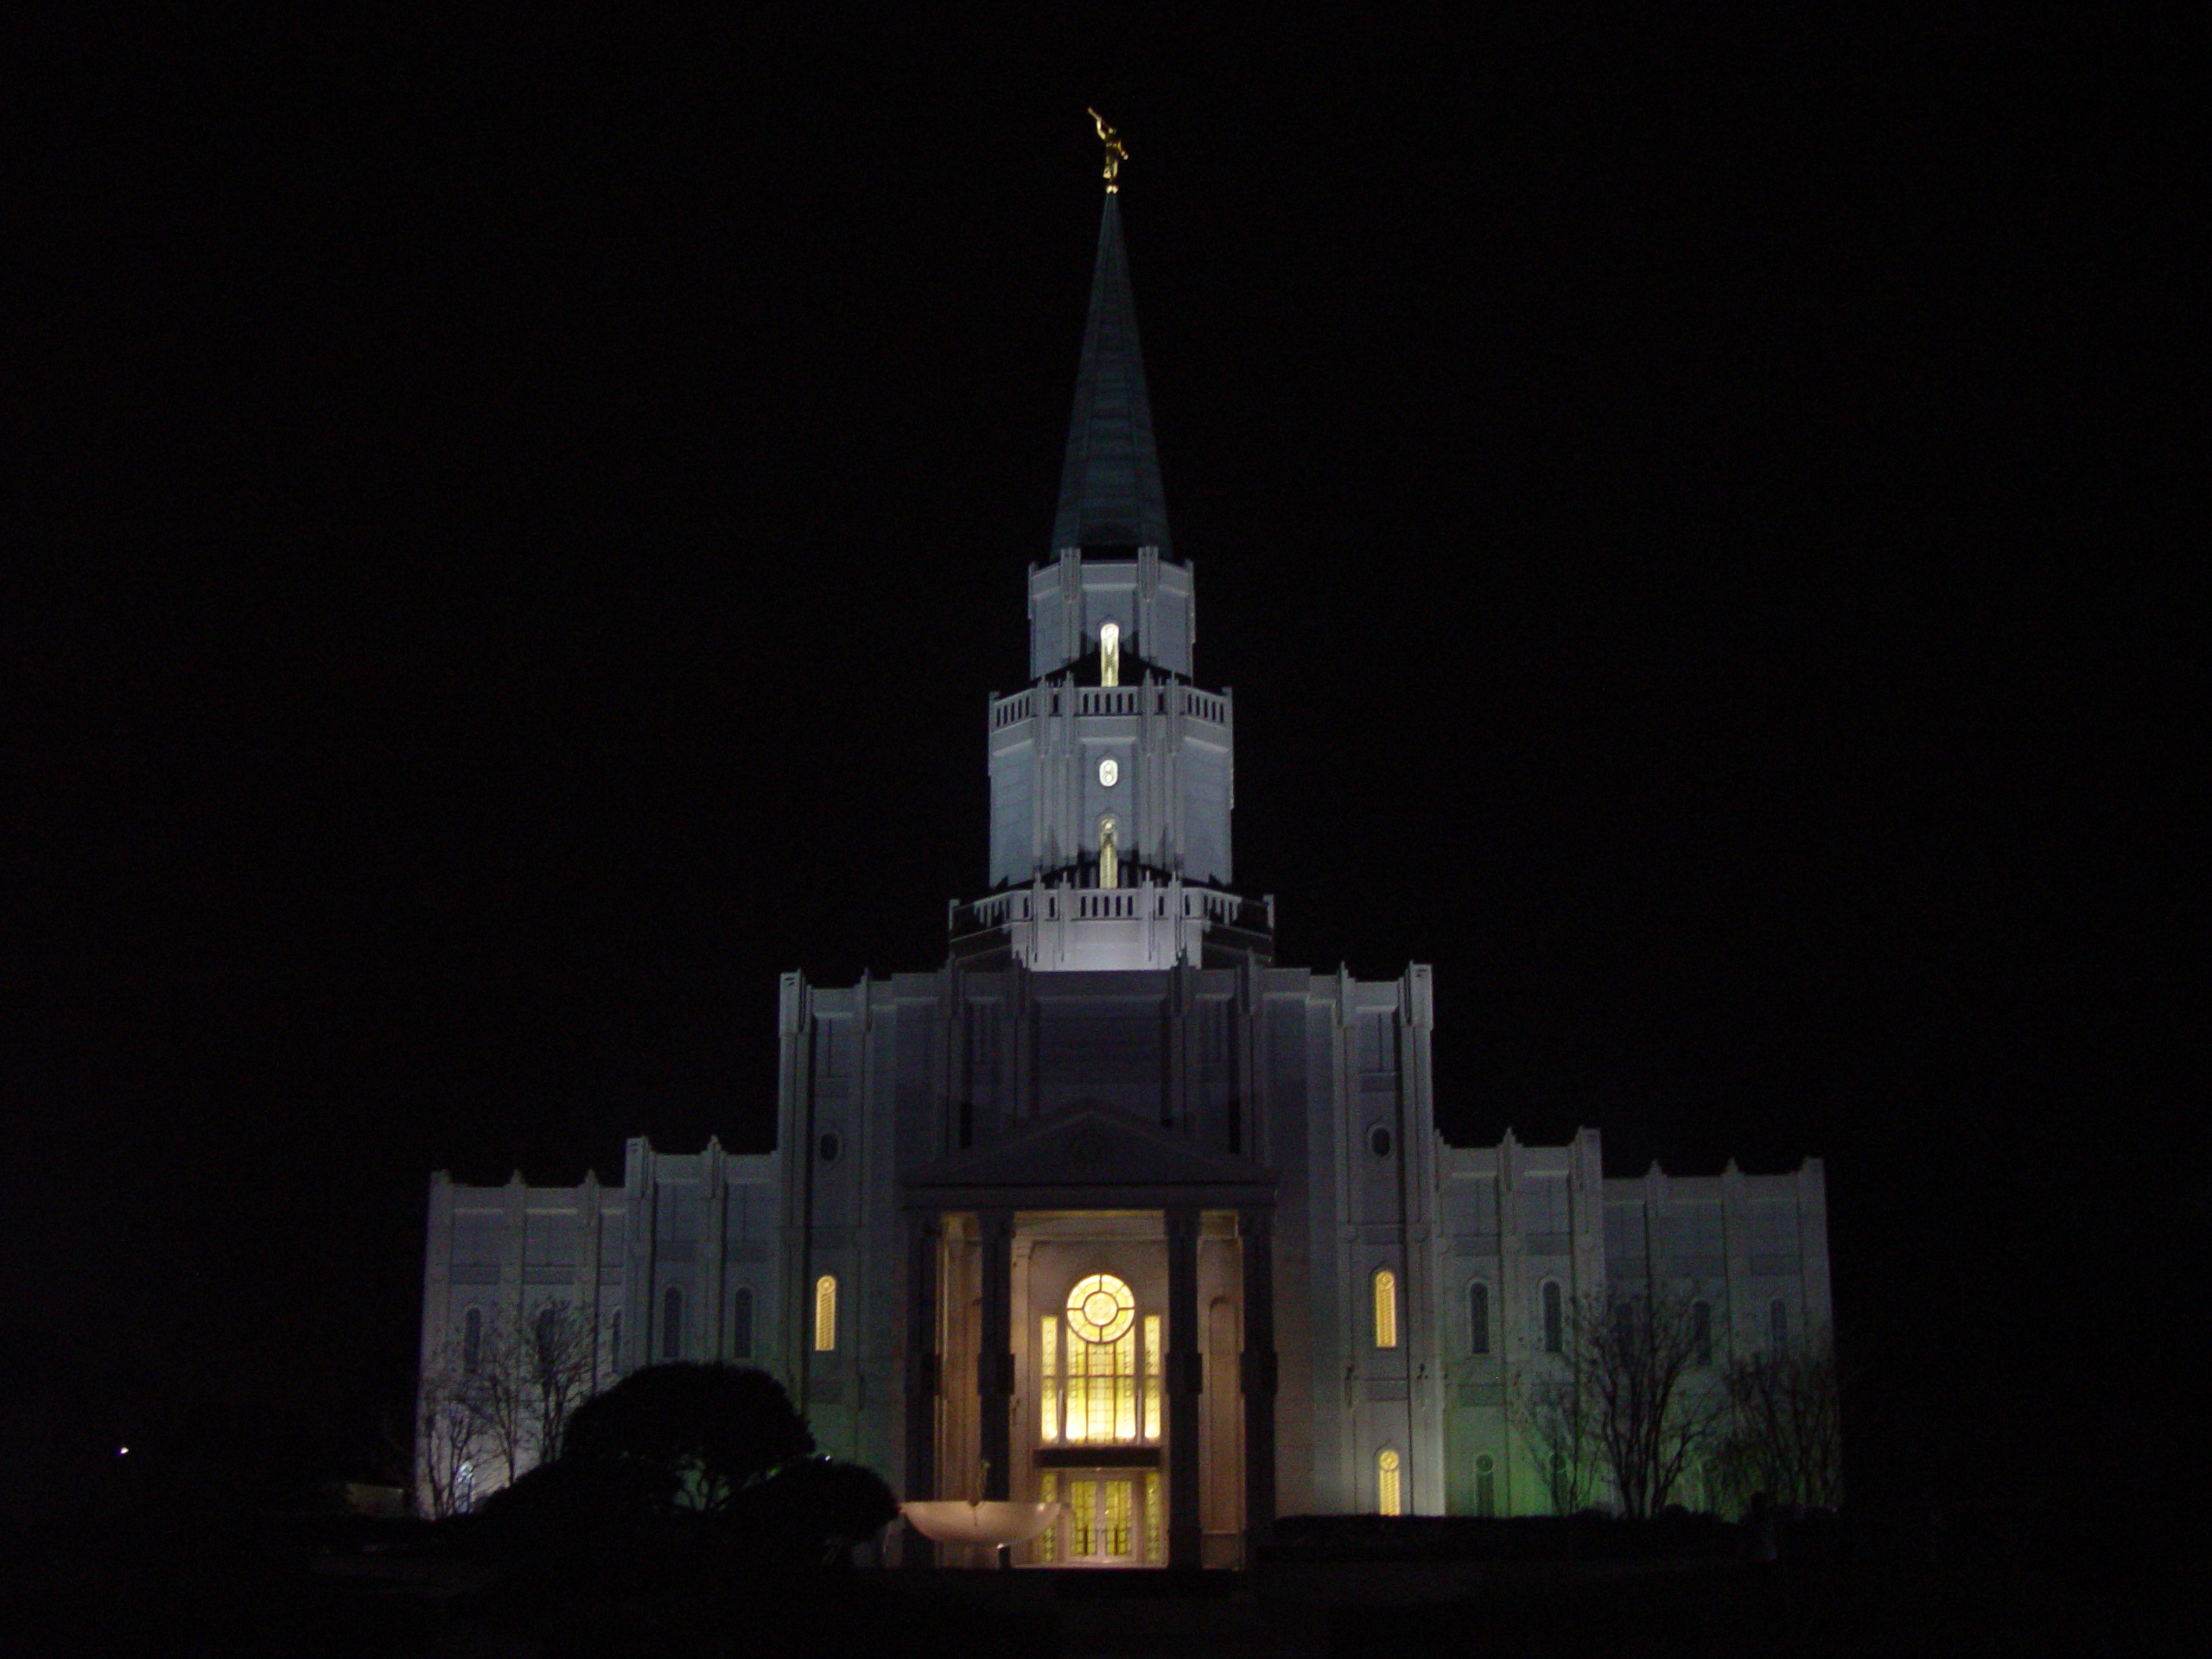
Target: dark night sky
{"type": "Point", "coordinates": [521, 526]}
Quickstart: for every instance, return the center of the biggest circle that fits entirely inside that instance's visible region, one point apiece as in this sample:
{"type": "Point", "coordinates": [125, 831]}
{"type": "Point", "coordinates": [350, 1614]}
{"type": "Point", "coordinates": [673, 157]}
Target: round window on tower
{"type": "Point", "coordinates": [1110, 773]}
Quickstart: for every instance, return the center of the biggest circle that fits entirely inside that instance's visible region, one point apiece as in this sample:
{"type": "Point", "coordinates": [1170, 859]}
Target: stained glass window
{"type": "Point", "coordinates": [1152, 1376]}
{"type": "Point", "coordinates": [1082, 1495]}
{"type": "Point", "coordinates": [1387, 1497]}
{"type": "Point", "coordinates": [825, 1313]}
{"type": "Point", "coordinates": [1153, 1519]}
{"type": "Point", "coordinates": [1048, 1373]}
{"type": "Point", "coordinates": [1048, 1542]}
{"type": "Point", "coordinates": [1118, 1495]}
{"type": "Point", "coordinates": [1100, 1369]}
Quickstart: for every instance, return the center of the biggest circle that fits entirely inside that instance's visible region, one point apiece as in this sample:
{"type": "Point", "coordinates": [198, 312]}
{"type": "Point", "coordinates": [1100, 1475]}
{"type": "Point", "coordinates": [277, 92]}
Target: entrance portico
{"type": "Point", "coordinates": [1090, 1318]}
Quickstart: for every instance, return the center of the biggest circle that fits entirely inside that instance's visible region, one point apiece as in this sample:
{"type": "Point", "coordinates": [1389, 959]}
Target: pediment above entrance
{"type": "Point", "coordinates": [1092, 1158]}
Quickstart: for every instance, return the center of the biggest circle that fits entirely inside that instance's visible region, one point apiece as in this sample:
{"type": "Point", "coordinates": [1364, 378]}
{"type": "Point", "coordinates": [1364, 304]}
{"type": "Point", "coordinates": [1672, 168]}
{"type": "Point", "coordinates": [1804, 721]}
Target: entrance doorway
{"type": "Point", "coordinates": [1113, 1517]}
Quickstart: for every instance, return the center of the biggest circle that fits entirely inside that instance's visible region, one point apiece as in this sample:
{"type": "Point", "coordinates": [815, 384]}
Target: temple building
{"type": "Point", "coordinates": [1110, 1206]}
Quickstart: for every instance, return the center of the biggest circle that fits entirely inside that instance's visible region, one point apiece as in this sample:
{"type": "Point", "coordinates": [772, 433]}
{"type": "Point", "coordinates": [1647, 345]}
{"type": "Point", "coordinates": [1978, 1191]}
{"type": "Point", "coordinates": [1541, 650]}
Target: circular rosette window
{"type": "Point", "coordinates": [1100, 1308]}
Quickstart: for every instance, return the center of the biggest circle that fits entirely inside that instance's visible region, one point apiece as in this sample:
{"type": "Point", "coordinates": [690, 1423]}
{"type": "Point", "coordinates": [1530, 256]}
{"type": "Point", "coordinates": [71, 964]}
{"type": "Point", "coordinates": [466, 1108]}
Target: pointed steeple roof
{"type": "Point", "coordinates": [1109, 486]}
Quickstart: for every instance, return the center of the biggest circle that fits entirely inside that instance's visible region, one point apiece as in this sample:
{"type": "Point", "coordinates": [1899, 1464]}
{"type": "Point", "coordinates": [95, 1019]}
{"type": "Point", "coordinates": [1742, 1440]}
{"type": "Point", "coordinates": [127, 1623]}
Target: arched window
{"type": "Point", "coordinates": [825, 1314]}
{"type": "Point", "coordinates": [1777, 1323]}
{"type": "Point", "coordinates": [1701, 1334]}
{"type": "Point", "coordinates": [1386, 1309]}
{"type": "Point", "coordinates": [1389, 1498]}
{"type": "Point", "coordinates": [1103, 1366]}
{"type": "Point", "coordinates": [464, 1489]}
{"type": "Point", "coordinates": [472, 1341]}
{"type": "Point", "coordinates": [1479, 1318]}
{"type": "Point", "coordinates": [671, 1323]}
{"type": "Point", "coordinates": [1485, 1483]}
{"type": "Point", "coordinates": [741, 1324]}
{"type": "Point", "coordinates": [1109, 854]}
{"type": "Point", "coordinates": [1554, 1319]}
{"type": "Point", "coordinates": [1110, 654]}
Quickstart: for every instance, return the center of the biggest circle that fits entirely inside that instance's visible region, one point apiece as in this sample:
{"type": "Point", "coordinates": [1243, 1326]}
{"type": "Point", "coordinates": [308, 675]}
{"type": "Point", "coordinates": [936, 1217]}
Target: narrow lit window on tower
{"type": "Point", "coordinates": [1110, 654]}
{"type": "Point", "coordinates": [1386, 1309]}
{"type": "Point", "coordinates": [825, 1313]}
{"type": "Point", "coordinates": [1388, 1500]}
{"type": "Point", "coordinates": [1109, 854]}
{"type": "Point", "coordinates": [1101, 1362]}
{"type": "Point", "coordinates": [1485, 1484]}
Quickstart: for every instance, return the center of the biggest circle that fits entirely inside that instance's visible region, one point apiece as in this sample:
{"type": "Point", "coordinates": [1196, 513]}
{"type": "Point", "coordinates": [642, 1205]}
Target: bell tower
{"type": "Point", "coordinates": [1113, 774]}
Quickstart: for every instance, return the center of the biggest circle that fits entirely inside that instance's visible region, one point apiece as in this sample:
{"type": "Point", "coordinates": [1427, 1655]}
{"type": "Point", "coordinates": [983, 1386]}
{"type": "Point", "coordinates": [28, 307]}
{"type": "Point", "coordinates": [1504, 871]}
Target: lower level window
{"type": "Point", "coordinates": [825, 1313]}
{"type": "Point", "coordinates": [1388, 1495]}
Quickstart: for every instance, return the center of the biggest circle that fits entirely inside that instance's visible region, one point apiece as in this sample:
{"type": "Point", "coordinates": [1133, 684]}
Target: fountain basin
{"type": "Point", "coordinates": [987, 1523]}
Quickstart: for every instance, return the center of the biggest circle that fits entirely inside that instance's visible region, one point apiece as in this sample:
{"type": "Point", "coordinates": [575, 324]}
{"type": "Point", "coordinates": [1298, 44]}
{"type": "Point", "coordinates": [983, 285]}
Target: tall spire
{"type": "Point", "coordinates": [1109, 486]}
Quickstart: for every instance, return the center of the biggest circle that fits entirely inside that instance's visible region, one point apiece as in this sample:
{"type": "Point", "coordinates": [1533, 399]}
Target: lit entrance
{"type": "Point", "coordinates": [1114, 1518]}
{"type": "Point", "coordinates": [1098, 1353]}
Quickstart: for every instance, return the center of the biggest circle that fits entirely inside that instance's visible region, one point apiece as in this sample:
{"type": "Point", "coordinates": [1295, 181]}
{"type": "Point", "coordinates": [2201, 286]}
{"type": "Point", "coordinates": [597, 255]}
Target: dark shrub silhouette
{"type": "Point", "coordinates": [680, 1470]}
{"type": "Point", "coordinates": [818, 1509]}
{"type": "Point", "coordinates": [698, 1435]}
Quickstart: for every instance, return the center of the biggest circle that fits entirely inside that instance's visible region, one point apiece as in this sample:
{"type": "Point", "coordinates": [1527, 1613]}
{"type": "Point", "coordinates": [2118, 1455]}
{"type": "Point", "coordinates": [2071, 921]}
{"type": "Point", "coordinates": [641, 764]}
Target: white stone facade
{"type": "Point", "coordinates": [1111, 1082]}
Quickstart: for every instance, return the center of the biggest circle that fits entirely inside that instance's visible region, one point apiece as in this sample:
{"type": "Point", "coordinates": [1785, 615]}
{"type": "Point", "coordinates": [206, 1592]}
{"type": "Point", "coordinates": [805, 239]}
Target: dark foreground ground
{"type": "Point", "coordinates": [343, 1588]}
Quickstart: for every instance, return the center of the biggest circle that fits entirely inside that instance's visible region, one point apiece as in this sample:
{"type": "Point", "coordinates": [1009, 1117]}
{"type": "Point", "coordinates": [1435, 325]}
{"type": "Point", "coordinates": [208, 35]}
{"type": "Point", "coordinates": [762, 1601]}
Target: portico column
{"type": "Point", "coordinates": [1256, 1227]}
{"type": "Point", "coordinates": [924, 1234]}
{"type": "Point", "coordinates": [995, 1352]}
{"type": "Point", "coordinates": [1185, 1377]}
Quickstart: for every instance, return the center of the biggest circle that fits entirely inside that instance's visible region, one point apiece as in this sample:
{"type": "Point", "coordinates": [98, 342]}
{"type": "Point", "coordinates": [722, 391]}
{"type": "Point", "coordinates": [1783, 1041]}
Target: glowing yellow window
{"type": "Point", "coordinates": [1048, 1542]}
{"type": "Point", "coordinates": [1152, 1376]}
{"type": "Point", "coordinates": [1386, 1308]}
{"type": "Point", "coordinates": [1110, 654]}
{"type": "Point", "coordinates": [1101, 1367]}
{"type": "Point", "coordinates": [1117, 1518]}
{"type": "Point", "coordinates": [1048, 1372]}
{"type": "Point", "coordinates": [1387, 1498]}
{"type": "Point", "coordinates": [1152, 1516]}
{"type": "Point", "coordinates": [825, 1313]}
{"type": "Point", "coordinates": [1081, 1494]}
